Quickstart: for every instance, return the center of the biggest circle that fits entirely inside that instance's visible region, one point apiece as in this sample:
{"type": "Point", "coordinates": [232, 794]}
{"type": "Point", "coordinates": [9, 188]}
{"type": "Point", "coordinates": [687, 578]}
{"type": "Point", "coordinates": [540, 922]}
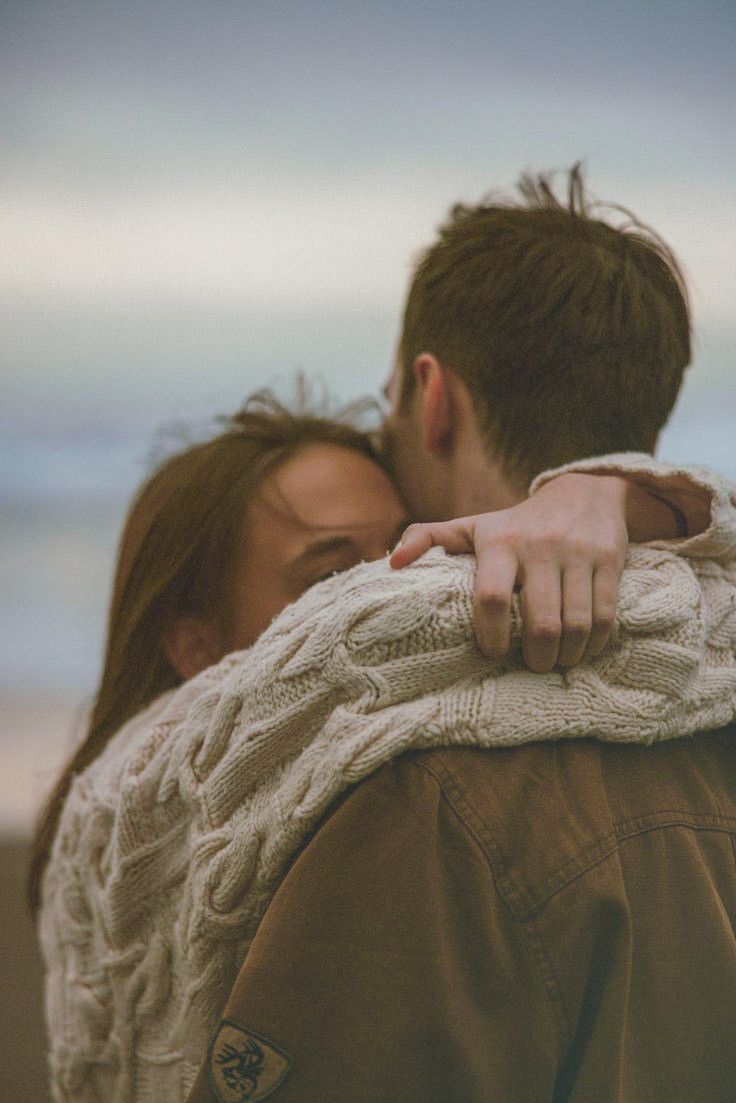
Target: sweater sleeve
{"type": "Point", "coordinates": [707, 500]}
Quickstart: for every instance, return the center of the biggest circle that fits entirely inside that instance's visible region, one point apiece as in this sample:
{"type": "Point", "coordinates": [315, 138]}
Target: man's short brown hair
{"type": "Point", "coordinates": [571, 334]}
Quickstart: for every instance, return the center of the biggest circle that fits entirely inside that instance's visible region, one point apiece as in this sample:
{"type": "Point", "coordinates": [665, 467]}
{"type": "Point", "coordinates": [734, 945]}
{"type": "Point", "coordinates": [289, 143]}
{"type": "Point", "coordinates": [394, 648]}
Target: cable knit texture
{"type": "Point", "coordinates": [173, 842]}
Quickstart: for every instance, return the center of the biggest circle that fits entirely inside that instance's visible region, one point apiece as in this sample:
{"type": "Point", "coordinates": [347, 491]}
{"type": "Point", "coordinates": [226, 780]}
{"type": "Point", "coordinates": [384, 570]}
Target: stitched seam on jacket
{"type": "Point", "coordinates": [528, 930]}
{"type": "Point", "coordinates": [524, 899]}
{"type": "Point", "coordinates": [540, 903]}
{"type": "Point", "coordinates": [592, 856]}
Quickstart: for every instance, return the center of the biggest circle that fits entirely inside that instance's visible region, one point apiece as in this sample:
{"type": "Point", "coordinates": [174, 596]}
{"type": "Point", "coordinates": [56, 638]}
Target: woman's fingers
{"type": "Point", "coordinates": [566, 546]}
{"type": "Point", "coordinates": [456, 537]}
{"type": "Point", "coordinates": [577, 613]}
{"type": "Point", "coordinates": [605, 601]}
{"type": "Point", "coordinates": [495, 578]}
{"type": "Point", "coordinates": [541, 602]}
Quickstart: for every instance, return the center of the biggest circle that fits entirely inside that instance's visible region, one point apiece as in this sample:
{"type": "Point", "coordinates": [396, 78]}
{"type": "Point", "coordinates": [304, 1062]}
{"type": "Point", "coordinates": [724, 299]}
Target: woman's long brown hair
{"type": "Point", "coordinates": [176, 558]}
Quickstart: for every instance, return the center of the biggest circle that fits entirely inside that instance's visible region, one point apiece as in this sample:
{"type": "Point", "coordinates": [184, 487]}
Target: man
{"type": "Point", "coordinates": [553, 921]}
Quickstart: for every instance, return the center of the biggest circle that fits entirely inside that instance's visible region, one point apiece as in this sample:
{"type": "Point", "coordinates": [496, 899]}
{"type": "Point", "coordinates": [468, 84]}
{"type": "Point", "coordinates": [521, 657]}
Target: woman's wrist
{"type": "Point", "coordinates": [650, 516]}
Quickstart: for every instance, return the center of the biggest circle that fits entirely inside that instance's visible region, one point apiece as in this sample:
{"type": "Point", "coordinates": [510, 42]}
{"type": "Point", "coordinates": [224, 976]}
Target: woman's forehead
{"type": "Point", "coordinates": [326, 485]}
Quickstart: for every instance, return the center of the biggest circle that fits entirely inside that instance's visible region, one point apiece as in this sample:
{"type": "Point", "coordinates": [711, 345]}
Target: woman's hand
{"type": "Point", "coordinates": [564, 548]}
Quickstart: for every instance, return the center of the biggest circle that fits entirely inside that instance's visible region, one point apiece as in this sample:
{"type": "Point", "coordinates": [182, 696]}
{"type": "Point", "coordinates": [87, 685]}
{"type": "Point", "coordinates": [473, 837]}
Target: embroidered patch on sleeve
{"type": "Point", "coordinates": [243, 1065]}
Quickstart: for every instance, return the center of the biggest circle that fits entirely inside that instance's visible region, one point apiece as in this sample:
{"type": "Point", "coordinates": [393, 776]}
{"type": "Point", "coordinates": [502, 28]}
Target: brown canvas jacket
{"type": "Point", "coordinates": [552, 922]}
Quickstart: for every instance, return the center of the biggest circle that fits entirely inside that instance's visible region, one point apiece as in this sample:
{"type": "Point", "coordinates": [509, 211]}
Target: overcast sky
{"type": "Point", "coordinates": [196, 198]}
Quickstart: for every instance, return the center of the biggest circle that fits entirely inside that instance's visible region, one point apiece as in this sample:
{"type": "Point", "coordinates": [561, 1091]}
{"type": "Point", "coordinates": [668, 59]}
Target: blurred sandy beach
{"type": "Point", "coordinates": [35, 735]}
{"type": "Point", "coordinates": [23, 1073]}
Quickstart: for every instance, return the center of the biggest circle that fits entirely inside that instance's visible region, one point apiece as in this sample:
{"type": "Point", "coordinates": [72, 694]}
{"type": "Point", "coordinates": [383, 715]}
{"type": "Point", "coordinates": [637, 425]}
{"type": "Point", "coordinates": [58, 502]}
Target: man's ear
{"type": "Point", "coordinates": [191, 645]}
{"type": "Point", "coordinates": [436, 402]}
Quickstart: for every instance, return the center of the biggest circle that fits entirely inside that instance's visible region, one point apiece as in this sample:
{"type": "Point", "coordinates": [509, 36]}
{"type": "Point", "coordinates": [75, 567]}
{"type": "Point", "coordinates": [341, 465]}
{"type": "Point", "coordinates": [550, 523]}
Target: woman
{"type": "Point", "coordinates": [170, 829]}
{"type": "Point", "coordinates": [284, 497]}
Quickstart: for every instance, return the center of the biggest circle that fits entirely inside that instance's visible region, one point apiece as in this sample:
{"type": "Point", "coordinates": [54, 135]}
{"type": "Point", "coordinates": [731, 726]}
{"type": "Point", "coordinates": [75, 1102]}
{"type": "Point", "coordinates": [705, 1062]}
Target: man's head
{"type": "Point", "coordinates": [559, 334]}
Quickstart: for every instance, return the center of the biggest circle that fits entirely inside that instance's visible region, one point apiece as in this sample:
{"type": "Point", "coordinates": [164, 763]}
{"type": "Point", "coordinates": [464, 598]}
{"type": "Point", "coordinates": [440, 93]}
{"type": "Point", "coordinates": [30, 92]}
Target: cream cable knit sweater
{"type": "Point", "coordinates": [173, 842]}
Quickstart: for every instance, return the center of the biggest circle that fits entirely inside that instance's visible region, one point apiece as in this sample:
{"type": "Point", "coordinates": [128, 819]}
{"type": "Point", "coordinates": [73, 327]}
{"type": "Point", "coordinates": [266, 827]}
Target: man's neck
{"type": "Point", "coordinates": [475, 480]}
{"type": "Point", "coordinates": [478, 483]}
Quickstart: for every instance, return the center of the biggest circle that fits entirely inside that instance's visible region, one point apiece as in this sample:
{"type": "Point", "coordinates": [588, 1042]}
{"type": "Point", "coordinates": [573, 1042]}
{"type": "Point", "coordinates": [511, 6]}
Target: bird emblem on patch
{"type": "Point", "coordinates": [244, 1066]}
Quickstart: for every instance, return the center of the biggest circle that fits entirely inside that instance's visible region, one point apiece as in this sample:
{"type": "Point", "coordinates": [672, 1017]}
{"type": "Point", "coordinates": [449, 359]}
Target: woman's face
{"type": "Point", "coordinates": [321, 511]}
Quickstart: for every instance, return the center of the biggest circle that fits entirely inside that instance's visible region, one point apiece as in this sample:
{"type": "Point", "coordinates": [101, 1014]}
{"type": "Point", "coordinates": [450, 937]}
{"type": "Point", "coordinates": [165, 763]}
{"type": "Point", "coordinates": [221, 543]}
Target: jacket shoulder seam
{"type": "Point", "coordinates": [526, 925]}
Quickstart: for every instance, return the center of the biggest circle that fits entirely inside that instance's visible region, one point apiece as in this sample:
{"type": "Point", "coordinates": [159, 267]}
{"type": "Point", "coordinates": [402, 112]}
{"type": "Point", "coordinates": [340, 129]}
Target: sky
{"type": "Point", "coordinates": [197, 200]}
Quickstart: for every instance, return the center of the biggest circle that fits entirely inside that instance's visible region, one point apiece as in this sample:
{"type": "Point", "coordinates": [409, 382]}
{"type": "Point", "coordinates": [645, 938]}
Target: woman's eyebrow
{"type": "Point", "coordinates": [322, 547]}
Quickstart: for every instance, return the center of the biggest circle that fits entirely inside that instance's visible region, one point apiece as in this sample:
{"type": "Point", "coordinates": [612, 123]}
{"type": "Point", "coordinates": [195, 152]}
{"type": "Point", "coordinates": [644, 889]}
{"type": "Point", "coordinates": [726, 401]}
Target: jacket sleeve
{"type": "Point", "coordinates": [707, 500]}
{"type": "Point", "coordinates": [387, 968]}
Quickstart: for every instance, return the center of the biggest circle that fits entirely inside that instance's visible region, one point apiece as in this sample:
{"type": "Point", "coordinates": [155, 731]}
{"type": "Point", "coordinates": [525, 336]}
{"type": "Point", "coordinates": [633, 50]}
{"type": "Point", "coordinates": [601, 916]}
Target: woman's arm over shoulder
{"type": "Point", "coordinates": [565, 547]}
{"type": "Point", "coordinates": [705, 499]}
